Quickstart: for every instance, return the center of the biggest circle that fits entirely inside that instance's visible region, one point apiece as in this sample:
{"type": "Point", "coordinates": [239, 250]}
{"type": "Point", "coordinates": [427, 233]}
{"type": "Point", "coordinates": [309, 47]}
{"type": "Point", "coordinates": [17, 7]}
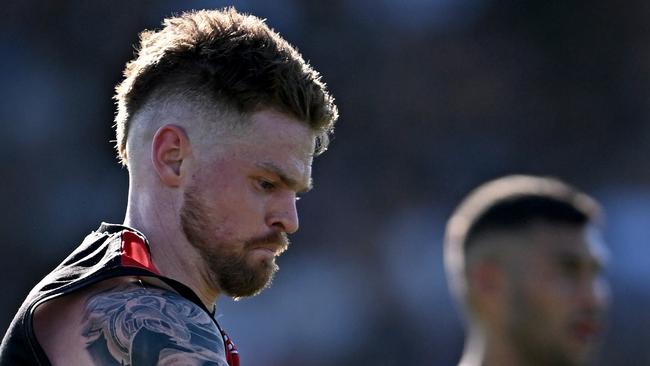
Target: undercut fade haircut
{"type": "Point", "coordinates": [508, 204]}
{"type": "Point", "coordinates": [224, 58]}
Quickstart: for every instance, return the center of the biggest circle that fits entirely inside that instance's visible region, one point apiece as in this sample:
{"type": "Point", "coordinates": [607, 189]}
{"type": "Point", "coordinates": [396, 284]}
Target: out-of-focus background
{"type": "Point", "coordinates": [436, 96]}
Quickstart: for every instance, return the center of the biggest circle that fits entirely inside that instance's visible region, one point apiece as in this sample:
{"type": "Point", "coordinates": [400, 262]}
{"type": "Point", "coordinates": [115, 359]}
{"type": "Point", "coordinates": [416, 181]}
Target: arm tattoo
{"type": "Point", "coordinates": [129, 325]}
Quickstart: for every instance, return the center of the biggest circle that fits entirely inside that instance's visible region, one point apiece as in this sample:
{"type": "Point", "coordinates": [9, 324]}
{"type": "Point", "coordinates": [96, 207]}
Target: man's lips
{"type": "Point", "coordinates": [586, 330]}
{"type": "Point", "coordinates": [275, 243]}
{"type": "Point", "coordinates": [275, 250]}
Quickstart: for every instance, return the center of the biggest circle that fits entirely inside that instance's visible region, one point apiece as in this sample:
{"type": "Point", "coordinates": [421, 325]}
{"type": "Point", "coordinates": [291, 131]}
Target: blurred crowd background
{"type": "Point", "coordinates": [436, 96]}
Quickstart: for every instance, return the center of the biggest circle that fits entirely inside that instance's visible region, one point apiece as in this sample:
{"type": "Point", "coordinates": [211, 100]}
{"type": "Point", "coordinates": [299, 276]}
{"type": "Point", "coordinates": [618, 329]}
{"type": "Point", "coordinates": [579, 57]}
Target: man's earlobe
{"type": "Point", "coordinates": [169, 148]}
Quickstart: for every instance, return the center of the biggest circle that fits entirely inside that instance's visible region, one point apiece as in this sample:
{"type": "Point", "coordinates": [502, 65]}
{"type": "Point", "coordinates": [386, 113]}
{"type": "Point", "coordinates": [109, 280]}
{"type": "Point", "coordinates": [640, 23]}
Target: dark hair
{"type": "Point", "coordinates": [225, 58]}
{"type": "Point", "coordinates": [515, 202]}
{"type": "Point", "coordinates": [518, 211]}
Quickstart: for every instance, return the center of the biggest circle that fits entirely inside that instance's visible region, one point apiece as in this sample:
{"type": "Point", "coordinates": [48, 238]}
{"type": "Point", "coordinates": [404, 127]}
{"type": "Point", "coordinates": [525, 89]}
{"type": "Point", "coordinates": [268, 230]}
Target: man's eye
{"type": "Point", "coordinates": [570, 267]}
{"type": "Point", "coordinates": [266, 185]}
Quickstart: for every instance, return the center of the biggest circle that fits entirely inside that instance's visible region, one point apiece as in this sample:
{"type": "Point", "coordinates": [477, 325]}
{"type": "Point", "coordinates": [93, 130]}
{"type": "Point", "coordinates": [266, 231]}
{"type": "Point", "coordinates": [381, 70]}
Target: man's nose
{"type": "Point", "coordinates": [283, 215]}
{"type": "Point", "coordinates": [594, 294]}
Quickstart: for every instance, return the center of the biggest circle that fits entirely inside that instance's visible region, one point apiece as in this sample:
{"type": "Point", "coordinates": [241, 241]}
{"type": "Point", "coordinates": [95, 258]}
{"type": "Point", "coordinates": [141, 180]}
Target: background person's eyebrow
{"type": "Point", "coordinates": [569, 258]}
{"type": "Point", "coordinates": [286, 180]}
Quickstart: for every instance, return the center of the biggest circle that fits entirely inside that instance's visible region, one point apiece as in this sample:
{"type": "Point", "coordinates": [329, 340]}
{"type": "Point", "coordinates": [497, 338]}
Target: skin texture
{"type": "Point", "coordinates": [544, 303]}
{"type": "Point", "coordinates": [128, 321]}
{"type": "Point", "coordinates": [557, 303]}
{"type": "Point", "coordinates": [140, 325]}
{"type": "Point", "coordinates": [241, 204]}
{"type": "Point", "coordinates": [216, 203]}
{"type": "Point", "coordinates": [217, 209]}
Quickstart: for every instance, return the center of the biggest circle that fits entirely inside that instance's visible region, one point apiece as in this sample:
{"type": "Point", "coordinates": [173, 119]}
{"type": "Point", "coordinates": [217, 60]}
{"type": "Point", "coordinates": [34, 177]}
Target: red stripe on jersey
{"type": "Point", "coordinates": [232, 356]}
{"type": "Point", "coordinates": [135, 252]}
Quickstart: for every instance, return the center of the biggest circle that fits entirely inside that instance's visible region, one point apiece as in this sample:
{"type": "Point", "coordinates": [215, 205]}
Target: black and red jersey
{"type": "Point", "coordinates": [111, 251]}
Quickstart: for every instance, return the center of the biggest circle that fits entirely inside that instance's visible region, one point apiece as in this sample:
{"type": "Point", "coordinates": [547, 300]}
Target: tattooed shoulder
{"type": "Point", "coordinates": [134, 325]}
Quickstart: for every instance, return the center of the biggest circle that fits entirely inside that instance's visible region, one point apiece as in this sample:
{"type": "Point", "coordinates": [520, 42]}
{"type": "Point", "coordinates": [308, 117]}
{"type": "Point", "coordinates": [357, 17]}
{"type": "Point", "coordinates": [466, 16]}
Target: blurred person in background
{"type": "Point", "coordinates": [524, 257]}
{"type": "Point", "coordinates": [218, 121]}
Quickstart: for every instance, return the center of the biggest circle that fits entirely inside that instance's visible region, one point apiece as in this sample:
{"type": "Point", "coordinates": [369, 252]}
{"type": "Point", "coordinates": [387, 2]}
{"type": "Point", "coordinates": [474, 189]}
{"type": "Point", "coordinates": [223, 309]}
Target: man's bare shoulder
{"type": "Point", "coordinates": [128, 324]}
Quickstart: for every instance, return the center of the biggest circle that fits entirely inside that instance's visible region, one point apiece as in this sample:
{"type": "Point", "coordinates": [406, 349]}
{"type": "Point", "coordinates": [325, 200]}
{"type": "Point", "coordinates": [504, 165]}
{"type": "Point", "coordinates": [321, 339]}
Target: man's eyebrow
{"type": "Point", "coordinates": [286, 180]}
{"type": "Point", "coordinates": [591, 261]}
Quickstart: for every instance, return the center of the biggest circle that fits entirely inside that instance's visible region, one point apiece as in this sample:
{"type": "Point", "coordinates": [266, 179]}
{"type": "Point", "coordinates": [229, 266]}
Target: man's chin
{"type": "Point", "coordinates": [255, 283]}
{"type": "Point", "coordinates": [582, 354]}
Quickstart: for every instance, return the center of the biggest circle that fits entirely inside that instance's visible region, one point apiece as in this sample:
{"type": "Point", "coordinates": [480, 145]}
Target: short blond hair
{"type": "Point", "coordinates": [231, 59]}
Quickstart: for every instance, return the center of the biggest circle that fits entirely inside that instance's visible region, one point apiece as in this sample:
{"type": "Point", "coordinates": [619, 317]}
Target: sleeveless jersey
{"type": "Point", "coordinates": [111, 251]}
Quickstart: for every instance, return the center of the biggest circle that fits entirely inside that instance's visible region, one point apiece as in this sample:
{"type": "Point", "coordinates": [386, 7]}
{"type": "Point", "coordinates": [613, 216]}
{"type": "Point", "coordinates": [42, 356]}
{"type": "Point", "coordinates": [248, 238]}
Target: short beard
{"type": "Point", "coordinates": [227, 266]}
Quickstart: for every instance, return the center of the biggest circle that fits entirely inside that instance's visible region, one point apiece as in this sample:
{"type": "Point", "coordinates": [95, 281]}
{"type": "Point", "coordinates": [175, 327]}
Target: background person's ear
{"type": "Point", "coordinates": [487, 279]}
{"type": "Point", "coordinates": [169, 148]}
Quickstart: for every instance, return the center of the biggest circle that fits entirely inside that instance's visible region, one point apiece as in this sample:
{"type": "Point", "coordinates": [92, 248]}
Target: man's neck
{"type": "Point", "coordinates": [173, 255]}
{"type": "Point", "coordinates": [483, 348]}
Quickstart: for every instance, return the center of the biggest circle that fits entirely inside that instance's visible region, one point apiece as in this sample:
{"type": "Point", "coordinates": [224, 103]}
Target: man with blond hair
{"type": "Point", "coordinates": [218, 121]}
{"type": "Point", "coordinates": [524, 257]}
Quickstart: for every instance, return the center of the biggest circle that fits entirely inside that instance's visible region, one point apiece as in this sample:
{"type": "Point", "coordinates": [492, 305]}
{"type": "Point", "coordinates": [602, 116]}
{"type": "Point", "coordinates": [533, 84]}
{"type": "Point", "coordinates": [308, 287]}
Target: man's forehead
{"type": "Point", "coordinates": [545, 238]}
{"type": "Point", "coordinates": [578, 242]}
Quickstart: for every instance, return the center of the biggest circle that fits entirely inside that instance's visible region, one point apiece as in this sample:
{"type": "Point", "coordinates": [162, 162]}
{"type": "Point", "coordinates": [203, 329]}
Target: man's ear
{"type": "Point", "coordinates": [489, 290]}
{"type": "Point", "coordinates": [169, 148]}
{"type": "Point", "coordinates": [487, 279]}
